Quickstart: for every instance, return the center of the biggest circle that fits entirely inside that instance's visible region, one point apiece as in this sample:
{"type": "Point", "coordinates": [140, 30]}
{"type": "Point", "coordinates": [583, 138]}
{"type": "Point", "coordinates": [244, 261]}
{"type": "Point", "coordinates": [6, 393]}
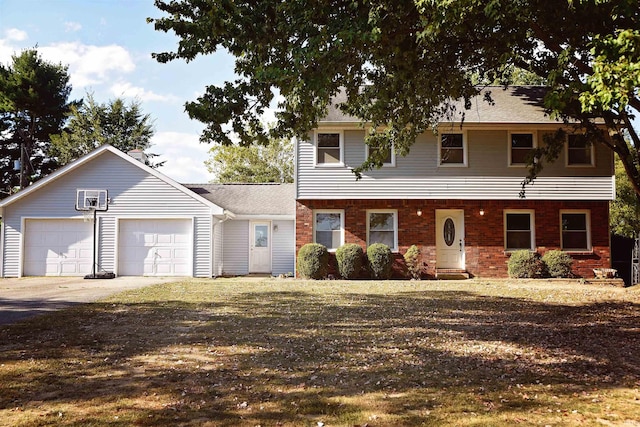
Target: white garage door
{"type": "Point", "coordinates": [57, 247]}
{"type": "Point", "coordinates": [155, 247]}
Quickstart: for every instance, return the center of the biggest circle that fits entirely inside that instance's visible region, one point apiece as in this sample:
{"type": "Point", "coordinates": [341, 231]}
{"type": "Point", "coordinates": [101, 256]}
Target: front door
{"type": "Point", "coordinates": [450, 239]}
{"type": "Point", "coordinates": [260, 248]}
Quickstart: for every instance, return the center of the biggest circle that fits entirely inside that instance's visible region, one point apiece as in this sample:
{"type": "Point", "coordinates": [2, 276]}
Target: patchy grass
{"type": "Point", "coordinates": [283, 352]}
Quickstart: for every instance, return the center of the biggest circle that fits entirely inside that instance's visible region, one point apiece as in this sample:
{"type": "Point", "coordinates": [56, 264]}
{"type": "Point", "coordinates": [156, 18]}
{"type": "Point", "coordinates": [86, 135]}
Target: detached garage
{"type": "Point", "coordinates": [152, 226]}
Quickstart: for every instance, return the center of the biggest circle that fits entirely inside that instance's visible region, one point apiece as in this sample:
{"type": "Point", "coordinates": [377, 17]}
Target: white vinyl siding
{"type": "Point", "coordinates": [236, 248]}
{"type": "Point", "coordinates": [134, 193]}
{"type": "Point", "coordinates": [218, 247]}
{"type": "Point", "coordinates": [418, 175]}
{"type": "Point", "coordinates": [284, 247]}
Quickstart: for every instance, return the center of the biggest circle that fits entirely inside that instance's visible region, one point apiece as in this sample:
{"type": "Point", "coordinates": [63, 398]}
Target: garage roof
{"type": "Point", "coordinates": [250, 199]}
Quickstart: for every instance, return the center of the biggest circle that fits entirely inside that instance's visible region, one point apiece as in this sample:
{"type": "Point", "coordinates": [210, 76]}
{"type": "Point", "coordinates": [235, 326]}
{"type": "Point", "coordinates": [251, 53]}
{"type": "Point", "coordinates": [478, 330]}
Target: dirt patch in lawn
{"type": "Point", "coordinates": [284, 352]}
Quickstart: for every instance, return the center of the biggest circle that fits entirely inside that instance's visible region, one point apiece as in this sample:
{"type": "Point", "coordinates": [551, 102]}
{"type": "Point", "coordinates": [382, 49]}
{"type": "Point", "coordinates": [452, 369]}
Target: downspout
{"type": "Point", "coordinates": [227, 216]}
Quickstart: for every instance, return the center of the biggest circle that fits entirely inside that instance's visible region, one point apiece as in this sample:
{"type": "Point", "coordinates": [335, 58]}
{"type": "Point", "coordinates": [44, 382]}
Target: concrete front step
{"type": "Point", "coordinates": [451, 274]}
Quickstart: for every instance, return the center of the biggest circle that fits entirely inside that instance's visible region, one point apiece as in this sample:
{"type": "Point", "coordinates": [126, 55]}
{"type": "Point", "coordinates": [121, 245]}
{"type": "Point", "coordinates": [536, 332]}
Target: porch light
{"type": "Point", "coordinates": [481, 212]}
{"type": "Point", "coordinates": [419, 212]}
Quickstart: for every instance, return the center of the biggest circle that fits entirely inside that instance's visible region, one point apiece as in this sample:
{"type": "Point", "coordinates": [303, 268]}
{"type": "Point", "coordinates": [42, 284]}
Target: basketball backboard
{"type": "Point", "coordinates": [92, 200]}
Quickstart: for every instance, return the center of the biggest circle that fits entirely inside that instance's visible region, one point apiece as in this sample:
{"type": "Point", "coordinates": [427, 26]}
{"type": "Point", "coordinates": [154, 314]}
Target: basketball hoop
{"type": "Point", "coordinates": [89, 202]}
{"type": "Point", "coordinates": [87, 216]}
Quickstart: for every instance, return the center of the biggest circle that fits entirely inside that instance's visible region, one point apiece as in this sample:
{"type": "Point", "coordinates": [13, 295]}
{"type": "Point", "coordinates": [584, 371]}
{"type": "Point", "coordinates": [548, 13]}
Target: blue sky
{"type": "Point", "coordinates": [107, 45]}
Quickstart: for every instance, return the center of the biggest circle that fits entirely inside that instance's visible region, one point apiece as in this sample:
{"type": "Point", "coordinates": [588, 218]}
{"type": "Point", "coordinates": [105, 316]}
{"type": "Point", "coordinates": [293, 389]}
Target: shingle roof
{"type": "Point", "coordinates": [250, 199]}
{"type": "Point", "coordinates": [513, 104]}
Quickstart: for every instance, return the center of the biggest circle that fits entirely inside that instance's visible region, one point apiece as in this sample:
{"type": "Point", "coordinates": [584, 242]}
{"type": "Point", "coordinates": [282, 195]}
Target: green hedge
{"type": "Point", "coordinates": [412, 261]}
{"type": "Point", "coordinates": [525, 264]}
{"type": "Point", "coordinates": [558, 263]}
{"type": "Point", "coordinates": [313, 261]}
{"type": "Point", "coordinates": [380, 261]}
{"type": "Point", "coordinates": [350, 260]}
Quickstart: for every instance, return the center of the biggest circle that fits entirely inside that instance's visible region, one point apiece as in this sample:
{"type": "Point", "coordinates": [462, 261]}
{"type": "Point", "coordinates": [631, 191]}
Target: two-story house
{"type": "Point", "coordinates": [456, 195]}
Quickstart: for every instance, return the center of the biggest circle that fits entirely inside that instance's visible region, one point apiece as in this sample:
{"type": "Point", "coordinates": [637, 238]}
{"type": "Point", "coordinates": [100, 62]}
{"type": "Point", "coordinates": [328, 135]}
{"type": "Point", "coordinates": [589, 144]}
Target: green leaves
{"type": "Point", "coordinates": [400, 63]}
{"type": "Point", "coordinates": [92, 124]}
{"type": "Point", "coordinates": [272, 162]}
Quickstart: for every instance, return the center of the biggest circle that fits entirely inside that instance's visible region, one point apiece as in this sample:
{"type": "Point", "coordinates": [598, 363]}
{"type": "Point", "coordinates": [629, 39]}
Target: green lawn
{"type": "Point", "coordinates": [274, 352]}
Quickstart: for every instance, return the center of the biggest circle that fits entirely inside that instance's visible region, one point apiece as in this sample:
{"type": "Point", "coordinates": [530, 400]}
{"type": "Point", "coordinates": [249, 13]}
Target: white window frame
{"type": "Point", "coordinates": [386, 164]}
{"type": "Point", "coordinates": [341, 146]}
{"type": "Point", "coordinates": [329, 211]}
{"type": "Point", "coordinates": [587, 214]}
{"type": "Point", "coordinates": [532, 226]}
{"type": "Point", "coordinates": [465, 157]}
{"type": "Point", "coordinates": [579, 165]}
{"type": "Point", "coordinates": [534, 143]}
{"type": "Point", "coordinates": [395, 225]}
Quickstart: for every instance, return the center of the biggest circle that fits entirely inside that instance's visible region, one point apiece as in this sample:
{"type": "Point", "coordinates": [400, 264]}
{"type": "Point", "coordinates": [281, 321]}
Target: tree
{"type": "Point", "coordinates": [625, 209]}
{"type": "Point", "coordinates": [93, 124]}
{"type": "Point", "coordinates": [252, 163]}
{"type": "Point", "coordinates": [402, 63]}
{"type": "Point", "coordinates": [33, 106]}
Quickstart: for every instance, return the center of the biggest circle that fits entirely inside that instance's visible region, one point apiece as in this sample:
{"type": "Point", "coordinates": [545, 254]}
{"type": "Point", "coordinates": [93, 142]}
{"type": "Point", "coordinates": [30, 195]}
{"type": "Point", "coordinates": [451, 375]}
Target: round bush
{"type": "Point", "coordinates": [350, 260]}
{"type": "Point", "coordinates": [380, 261]}
{"type": "Point", "coordinates": [313, 261]}
{"type": "Point", "coordinates": [412, 261]}
{"type": "Point", "coordinates": [525, 264]}
{"type": "Point", "coordinates": [558, 263]}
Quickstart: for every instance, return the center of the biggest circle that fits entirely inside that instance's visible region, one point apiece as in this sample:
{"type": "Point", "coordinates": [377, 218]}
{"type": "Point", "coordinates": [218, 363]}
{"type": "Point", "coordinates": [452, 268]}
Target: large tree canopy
{"type": "Point", "coordinates": [93, 124]}
{"type": "Point", "coordinates": [400, 62]}
{"type": "Point", "coordinates": [253, 163]}
{"type": "Point", "coordinates": [33, 107]}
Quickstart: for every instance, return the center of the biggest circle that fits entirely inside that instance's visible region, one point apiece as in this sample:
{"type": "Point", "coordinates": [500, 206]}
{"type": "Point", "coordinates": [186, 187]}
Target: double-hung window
{"type": "Point", "coordinates": [382, 227]}
{"type": "Point", "coordinates": [328, 228]}
{"type": "Point", "coordinates": [520, 146]}
{"type": "Point", "coordinates": [329, 148]}
{"type": "Point", "coordinates": [575, 226]}
{"type": "Point", "coordinates": [519, 230]}
{"type": "Point", "coordinates": [452, 150]}
{"type": "Point", "coordinates": [389, 159]}
{"type": "Point", "coordinates": [579, 151]}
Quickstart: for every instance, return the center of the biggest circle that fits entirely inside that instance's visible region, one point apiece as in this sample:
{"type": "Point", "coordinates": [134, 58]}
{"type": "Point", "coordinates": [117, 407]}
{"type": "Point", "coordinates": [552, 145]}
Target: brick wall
{"type": "Point", "coordinates": [484, 235]}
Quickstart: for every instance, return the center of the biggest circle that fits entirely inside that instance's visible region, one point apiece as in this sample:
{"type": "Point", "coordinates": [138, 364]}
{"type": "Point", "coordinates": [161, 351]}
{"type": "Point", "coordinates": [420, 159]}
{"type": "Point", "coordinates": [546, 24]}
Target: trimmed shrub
{"type": "Point", "coordinates": [313, 261]}
{"type": "Point", "coordinates": [558, 263]}
{"type": "Point", "coordinates": [412, 261]}
{"type": "Point", "coordinates": [380, 261]}
{"type": "Point", "coordinates": [525, 264]}
{"type": "Point", "coordinates": [350, 260]}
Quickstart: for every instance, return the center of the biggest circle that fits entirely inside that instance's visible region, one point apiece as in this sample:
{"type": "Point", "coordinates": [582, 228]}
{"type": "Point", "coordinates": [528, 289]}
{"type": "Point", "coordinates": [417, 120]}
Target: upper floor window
{"type": "Point", "coordinates": [576, 234]}
{"type": "Point", "coordinates": [382, 227]}
{"type": "Point", "coordinates": [519, 230]}
{"type": "Point", "coordinates": [520, 145]}
{"type": "Point", "coordinates": [390, 158]}
{"type": "Point", "coordinates": [329, 148]}
{"type": "Point", "coordinates": [328, 228]}
{"type": "Point", "coordinates": [452, 150]}
{"type": "Point", "coordinates": [579, 151]}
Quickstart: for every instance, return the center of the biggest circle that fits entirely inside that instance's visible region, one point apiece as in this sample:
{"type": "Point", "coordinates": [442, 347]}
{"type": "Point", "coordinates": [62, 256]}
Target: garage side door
{"type": "Point", "coordinates": [155, 247]}
{"type": "Point", "coordinates": [57, 247]}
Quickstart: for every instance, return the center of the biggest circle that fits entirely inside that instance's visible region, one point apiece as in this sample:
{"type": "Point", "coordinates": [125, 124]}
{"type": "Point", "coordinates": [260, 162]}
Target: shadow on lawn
{"type": "Point", "coordinates": [295, 357]}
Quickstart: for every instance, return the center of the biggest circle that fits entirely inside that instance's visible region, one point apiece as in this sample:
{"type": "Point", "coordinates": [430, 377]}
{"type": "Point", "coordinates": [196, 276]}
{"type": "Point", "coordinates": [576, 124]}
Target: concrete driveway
{"type": "Point", "coordinates": [31, 296]}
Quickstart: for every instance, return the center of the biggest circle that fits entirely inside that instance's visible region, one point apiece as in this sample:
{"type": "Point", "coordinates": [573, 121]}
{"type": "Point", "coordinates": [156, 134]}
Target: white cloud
{"type": "Point", "coordinates": [184, 156]}
{"type": "Point", "coordinates": [88, 64]}
{"type": "Point", "coordinates": [14, 34]}
{"type": "Point", "coordinates": [126, 89]}
{"type": "Point", "coordinates": [72, 27]}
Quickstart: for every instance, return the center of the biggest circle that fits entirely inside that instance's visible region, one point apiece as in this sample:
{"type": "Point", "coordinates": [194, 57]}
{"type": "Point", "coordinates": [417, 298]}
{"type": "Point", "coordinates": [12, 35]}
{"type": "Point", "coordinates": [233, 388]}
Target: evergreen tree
{"type": "Point", "coordinates": [33, 106]}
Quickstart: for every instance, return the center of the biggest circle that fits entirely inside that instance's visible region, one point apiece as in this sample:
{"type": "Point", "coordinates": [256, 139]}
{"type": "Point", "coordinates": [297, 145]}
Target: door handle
{"type": "Point", "coordinates": [460, 245]}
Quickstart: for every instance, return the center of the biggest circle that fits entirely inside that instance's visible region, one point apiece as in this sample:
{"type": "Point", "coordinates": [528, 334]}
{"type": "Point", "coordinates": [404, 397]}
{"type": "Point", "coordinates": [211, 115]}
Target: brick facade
{"type": "Point", "coordinates": [484, 234]}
